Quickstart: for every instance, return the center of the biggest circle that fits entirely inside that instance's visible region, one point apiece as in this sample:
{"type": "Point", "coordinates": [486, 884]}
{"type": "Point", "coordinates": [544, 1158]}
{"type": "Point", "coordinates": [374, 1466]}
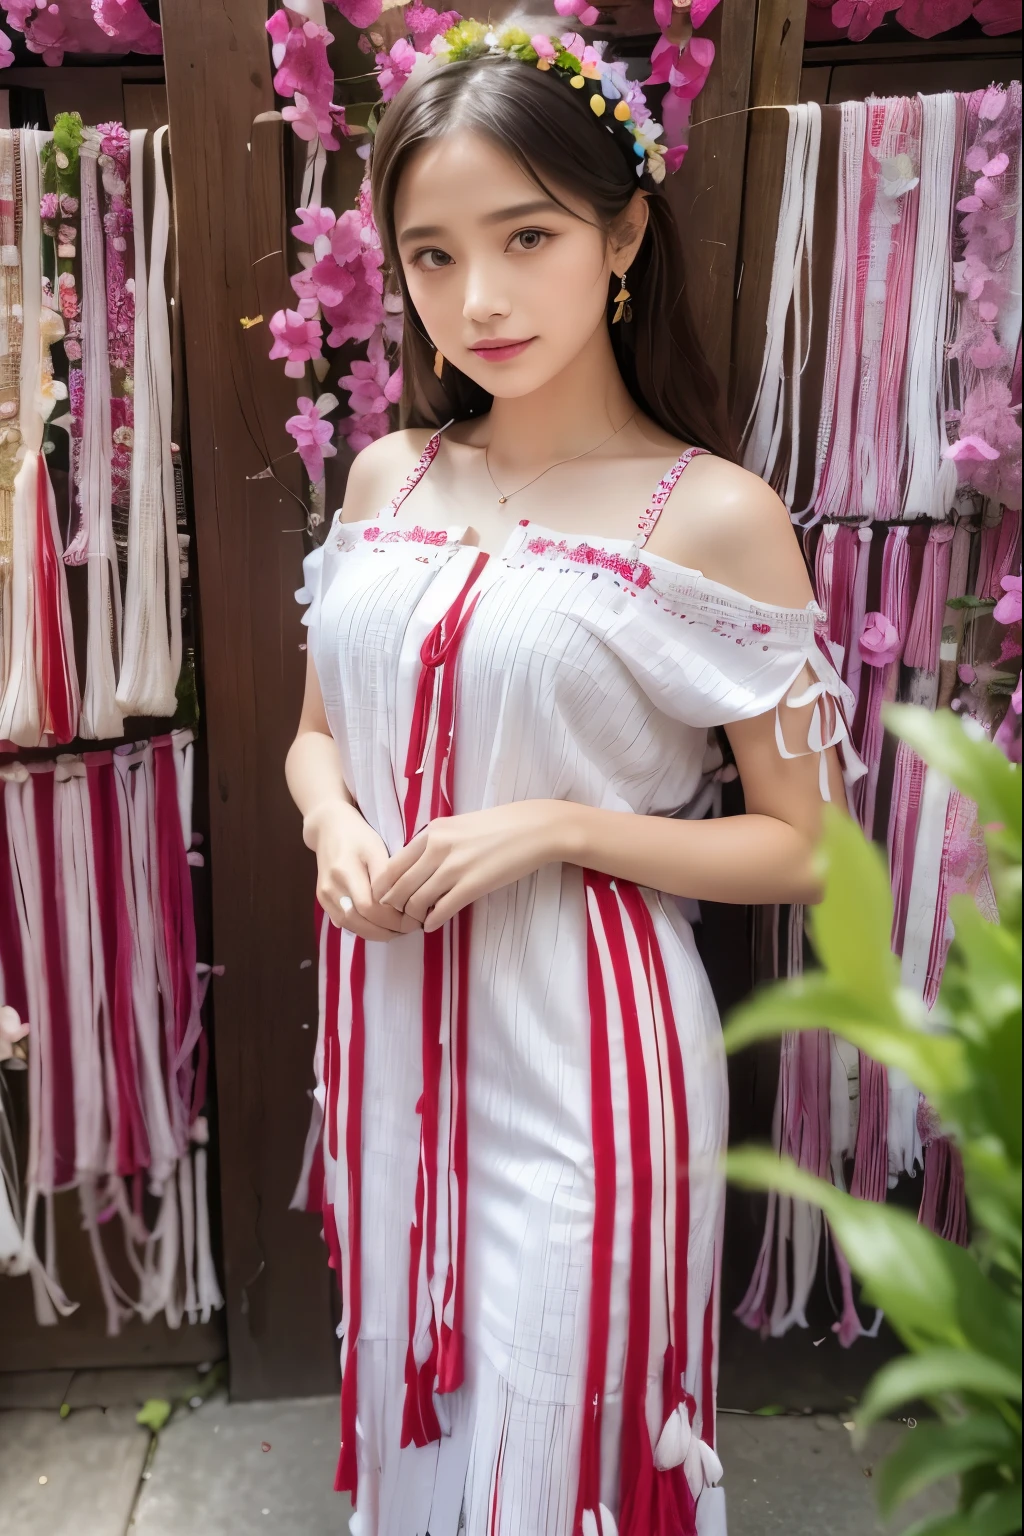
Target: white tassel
{"type": "Point", "coordinates": [188, 1234]}
{"type": "Point", "coordinates": [711, 1513]}
{"type": "Point", "coordinates": [209, 1295]}
{"type": "Point", "coordinates": [694, 1467]}
{"type": "Point", "coordinates": [101, 717]}
{"type": "Point", "coordinates": [711, 1464]}
{"type": "Point", "coordinates": [152, 614]}
{"type": "Point", "coordinates": [674, 1440]}
{"type": "Point", "coordinates": [601, 1524]}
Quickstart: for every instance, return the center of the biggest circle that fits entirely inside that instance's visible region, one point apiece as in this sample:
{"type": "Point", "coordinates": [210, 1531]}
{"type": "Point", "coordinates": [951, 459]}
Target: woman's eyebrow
{"type": "Point", "coordinates": [499, 216]}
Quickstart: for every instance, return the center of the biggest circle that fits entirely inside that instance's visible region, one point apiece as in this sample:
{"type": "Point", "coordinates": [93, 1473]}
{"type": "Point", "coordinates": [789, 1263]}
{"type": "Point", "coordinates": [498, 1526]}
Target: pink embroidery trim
{"type": "Point", "coordinates": [417, 535]}
{"type": "Point", "coordinates": [426, 458]}
{"type": "Point", "coordinates": [663, 490]}
{"type": "Point", "coordinates": [635, 571]}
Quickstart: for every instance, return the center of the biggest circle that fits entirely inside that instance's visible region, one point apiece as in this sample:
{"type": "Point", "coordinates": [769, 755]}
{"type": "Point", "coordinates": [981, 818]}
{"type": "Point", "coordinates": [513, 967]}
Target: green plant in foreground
{"type": "Point", "coordinates": [958, 1312]}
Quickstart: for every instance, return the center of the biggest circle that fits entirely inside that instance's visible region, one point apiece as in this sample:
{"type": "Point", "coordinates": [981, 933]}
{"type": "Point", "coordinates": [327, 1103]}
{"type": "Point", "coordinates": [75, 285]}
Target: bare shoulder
{"type": "Point", "coordinates": [378, 471]}
{"type": "Point", "coordinates": [727, 523]}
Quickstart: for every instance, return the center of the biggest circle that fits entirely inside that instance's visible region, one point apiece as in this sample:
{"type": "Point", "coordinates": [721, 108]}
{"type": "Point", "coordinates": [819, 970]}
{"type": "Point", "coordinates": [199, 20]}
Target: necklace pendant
{"type": "Point", "coordinates": [502, 500]}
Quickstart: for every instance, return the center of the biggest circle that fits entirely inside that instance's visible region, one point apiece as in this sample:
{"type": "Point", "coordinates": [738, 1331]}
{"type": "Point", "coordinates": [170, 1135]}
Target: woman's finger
{"type": "Point", "coordinates": [433, 890]}
{"type": "Point", "coordinates": [384, 879]}
{"type": "Point", "coordinates": [449, 905]}
{"type": "Point", "coordinates": [359, 890]}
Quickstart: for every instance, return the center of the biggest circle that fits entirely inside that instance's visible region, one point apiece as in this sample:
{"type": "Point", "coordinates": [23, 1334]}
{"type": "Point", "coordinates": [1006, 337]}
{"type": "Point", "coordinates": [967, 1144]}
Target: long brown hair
{"type": "Point", "coordinates": [557, 141]}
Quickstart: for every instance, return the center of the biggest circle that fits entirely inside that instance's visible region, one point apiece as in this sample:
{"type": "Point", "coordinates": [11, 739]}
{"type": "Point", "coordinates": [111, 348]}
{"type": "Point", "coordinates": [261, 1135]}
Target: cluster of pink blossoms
{"type": "Point", "coordinates": [857, 19]}
{"type": "Point", "coordinates": [55, 27]}
{"type": "Point", "coordinates": [987, 450]}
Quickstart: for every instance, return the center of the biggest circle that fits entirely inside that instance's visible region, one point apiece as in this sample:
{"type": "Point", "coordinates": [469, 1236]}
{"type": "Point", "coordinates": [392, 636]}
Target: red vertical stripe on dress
{"type": "Point", "coordinates": [348, 1474]}
{"type": "Point", "coordinates": [637, 1460]}
{"type": "Point", "coordinates": [589, 1493]}
{"type": "Point", "coordinates": [439, 650]}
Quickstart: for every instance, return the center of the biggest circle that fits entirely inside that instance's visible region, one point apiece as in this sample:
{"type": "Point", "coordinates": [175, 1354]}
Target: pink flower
{"type": "Point", "coordinates": [996, 17]}
{"type": "Point", "coordinates": [988, 353]}
{"type": "Point", "coordinates": [313, 434]}
{"type": "Point", "coordinates": [361, 13]}
{"type": "Point", "coordinates": [331, 282]}
{"type": "Point", "coordinates": [296, 338]}
{"type": "Point", "coordinates": [20, 11]}
{"type": "Point", "coordinates": [6, 56]}
{"type": "Point", "coordinates": [371, 388]}
{"type": "Point", "coordinates": [394, 68]}
{"type": "Point", "coordinates": [879, 642]}
{"type": "Point", "coordinates": [359, 315]}
{"type": "Point", "coordinates": [700, 10]}
{"type": "Point", "coordinates": [313, 119]}
{"type": "Point", "coordinates": [1008, 608]}
{"type": "Point", "coordinates": [49, 205]}
{"type": "Point", "coordinates": [361, 431]}
{"type": "Point", "coordinates": [344, 241]}
{"type": "Point", "coordinates": [684, 69]}
{"type": "Point", "coordinates": [48, 36]}
{"type": "Point", "coordinates": [966, 674]}
{"type": "Point", "coordinates": [927, 18]}
{"type": "Point", "coordinates": [127, 23]}
{"type": "Point", "coordinates": [587, 14]}
{"type": "Point", "coordinates": [859, 18]}
{"type": "Point", "coordinates": [970, 448]}
{"type": "Point", "coordinates": [313, 221]}
{"type": "Point", "coordinates": [307, 293]}
{"type": "Point", "coordinates": [542, 46]}
{"type": "Point", "coordinates": [424, 24]}
{"type": "Point", "coordinates": [300, 53]}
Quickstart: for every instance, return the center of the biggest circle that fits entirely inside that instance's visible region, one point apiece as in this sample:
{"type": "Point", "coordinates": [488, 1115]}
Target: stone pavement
{"type": "Point", "coordinates": [228, 1469]}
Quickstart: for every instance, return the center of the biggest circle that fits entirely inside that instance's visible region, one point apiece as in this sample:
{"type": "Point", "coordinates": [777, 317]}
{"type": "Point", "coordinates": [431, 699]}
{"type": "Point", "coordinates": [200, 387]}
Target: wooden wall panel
{"type": "Point", "coordinates": [707, 193]}
{"type": "Point", "coordinates": [249, 518]}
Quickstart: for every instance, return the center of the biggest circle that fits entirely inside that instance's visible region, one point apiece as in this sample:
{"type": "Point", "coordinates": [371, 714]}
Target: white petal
{"type": "Point", "coordinates": [674, 1440]}
{"type": "Point", "coordinates": [712, 1465]}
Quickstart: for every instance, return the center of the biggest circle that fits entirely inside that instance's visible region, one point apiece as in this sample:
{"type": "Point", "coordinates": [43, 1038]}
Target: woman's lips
{"type": "Point", "coordinates": [501, 351]}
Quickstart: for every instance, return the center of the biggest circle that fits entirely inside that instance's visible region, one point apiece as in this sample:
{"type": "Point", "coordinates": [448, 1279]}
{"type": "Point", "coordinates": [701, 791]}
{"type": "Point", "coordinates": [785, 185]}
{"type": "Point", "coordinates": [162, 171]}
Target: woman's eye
{"type": "Point", "coordinates": [528, 239]}
{"type": "Point", "coordinates": [433, 259]}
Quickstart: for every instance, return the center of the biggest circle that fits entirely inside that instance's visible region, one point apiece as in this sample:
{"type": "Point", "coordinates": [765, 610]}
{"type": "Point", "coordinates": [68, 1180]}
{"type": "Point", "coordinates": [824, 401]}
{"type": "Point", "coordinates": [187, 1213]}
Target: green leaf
{"type": "Point", "coordinates": [937, 1373]}
{"type": "Point", "coordinates": [931, 1291]}
{"type": "Point", "coordinates": [934, 1451]}
{"type": "Point", "coordinates": [851, 927]}
{"type": "Point", "coordinates": [970, 601]}
{"type": "Point", "coordinates": [997, 1515]}
{"type": "Point", "coordinates": [976, 767]}
{"type": "Point", "coordinates": [153, 1414]}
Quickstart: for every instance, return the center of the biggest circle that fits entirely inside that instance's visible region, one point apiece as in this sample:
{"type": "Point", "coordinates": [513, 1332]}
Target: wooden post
{"type": "Point", "coordinates": [707, 193]}
{"type": "Point", "coordinates": [228, 187]}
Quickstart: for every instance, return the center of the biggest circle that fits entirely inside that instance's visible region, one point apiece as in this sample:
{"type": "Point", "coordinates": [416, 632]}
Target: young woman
{"type": "Point", "coordinates": [522, 628]}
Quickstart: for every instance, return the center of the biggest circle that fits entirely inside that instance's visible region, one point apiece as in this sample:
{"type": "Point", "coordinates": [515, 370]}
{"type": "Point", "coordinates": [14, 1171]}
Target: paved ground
{"type": "Point", "coordinates": [225, 1469]}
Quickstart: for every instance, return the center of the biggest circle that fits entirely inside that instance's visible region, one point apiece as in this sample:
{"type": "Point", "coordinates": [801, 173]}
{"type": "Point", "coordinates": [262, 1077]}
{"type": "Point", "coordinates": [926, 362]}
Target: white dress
{"type": "Point", "coordinates": [522, 1114]}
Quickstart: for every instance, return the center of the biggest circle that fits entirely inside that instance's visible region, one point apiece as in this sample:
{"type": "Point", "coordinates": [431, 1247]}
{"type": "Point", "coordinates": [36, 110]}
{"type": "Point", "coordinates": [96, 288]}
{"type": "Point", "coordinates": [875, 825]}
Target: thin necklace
{"type": "Point", "coordinates": [504, 496]}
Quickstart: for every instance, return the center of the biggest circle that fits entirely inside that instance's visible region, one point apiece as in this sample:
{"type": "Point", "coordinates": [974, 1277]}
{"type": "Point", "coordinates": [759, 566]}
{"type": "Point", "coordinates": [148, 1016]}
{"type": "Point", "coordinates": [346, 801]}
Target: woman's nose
{"type": "Point", "coordinates": [484, 298]}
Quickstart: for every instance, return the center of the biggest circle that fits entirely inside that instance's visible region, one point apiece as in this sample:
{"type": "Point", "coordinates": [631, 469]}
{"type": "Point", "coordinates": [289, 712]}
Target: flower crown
{"type": "Point", "coordinates": [615, 100]}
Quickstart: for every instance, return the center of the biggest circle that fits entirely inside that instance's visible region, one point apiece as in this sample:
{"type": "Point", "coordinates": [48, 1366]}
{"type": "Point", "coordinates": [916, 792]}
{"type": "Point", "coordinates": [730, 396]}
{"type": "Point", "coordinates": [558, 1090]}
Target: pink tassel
{"type": "Point", "coordinates": [871, 1157]}
{"type": "Point", "coordinates": [943, 1198]}
{"type": "Point", "coordinates": [925, 633]}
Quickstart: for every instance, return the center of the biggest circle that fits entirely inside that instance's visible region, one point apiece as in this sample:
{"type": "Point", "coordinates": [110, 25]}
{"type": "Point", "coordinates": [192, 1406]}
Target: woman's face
{"type": "Point", "coordinates": [508, 285]}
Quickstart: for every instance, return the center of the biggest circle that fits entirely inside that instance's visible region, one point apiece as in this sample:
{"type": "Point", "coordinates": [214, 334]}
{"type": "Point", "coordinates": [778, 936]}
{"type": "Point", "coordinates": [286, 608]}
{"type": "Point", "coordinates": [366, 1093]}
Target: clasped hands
{"type": "Point", "coordinates": [454, 861]}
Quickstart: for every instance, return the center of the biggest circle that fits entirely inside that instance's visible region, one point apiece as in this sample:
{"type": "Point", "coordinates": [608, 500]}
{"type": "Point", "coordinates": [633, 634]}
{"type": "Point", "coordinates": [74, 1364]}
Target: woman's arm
{"type": "Point", "coordinates": [349, 852]}
{"type": "Point", "coordinates": [734, 529]}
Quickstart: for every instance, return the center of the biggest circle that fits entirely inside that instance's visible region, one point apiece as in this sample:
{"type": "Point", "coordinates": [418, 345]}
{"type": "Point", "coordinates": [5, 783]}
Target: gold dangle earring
{"type": "Point", "coordinates": [623, 310]}
{"type": "Point", "coordinates": [438, 362]}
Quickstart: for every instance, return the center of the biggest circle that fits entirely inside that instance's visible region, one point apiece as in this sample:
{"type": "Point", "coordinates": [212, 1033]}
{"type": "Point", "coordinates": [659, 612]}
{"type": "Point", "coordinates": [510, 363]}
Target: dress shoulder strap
{"type": "Point", "coordinates": [416, 474]}
{"type": "Point", "coordinates": [662, 492]}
